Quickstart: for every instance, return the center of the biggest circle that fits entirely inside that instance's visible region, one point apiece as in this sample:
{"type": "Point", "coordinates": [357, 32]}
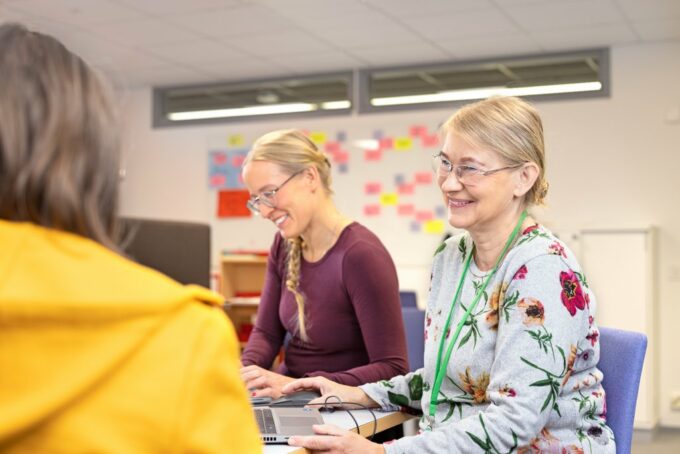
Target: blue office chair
{"type": "Point", "coordinates": [622, 354]}
{"type": "Point", "coordinates": [414, 327]}
{"type": "Point", "coordinates": [408, 298]}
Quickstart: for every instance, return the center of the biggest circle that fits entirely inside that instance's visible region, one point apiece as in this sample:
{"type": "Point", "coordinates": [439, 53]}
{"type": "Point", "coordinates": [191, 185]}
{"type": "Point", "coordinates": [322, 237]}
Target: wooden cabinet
{"type": "Point", "coordinates": [242, 279]}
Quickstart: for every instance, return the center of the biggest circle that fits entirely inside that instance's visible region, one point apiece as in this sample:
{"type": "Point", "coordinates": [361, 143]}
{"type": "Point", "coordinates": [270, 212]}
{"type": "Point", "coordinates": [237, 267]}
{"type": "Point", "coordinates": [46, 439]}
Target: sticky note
{"type": "Point", "coordinates": [218, 181]}
{"type": "Point", "coordinates": [417, 131]}
{"type": "Point", "coordinates": [424, 215]}
{"type": "Point", "coordinates": [440, 211]}
{"type": "Point", "coordinates": [414, 226]}
{"type": "Point", "coordinates": [403, 144]}
{"type": "Point", "coordinates": [341, 136]}
{"type": "Point", "coordinates": [343, 168]}
{"type": "Point", "coordinates": [423, 177]}
{"type": "Point", "coordinates": [399, 179]}
{"type": "Point", "coordinates": [377, 134]}
{"type": "Point", "coordinates": [372, 188]}
{"type": "Point", "coordinates": [218, 158]}
{"type": "Point", "coordinates": [434, 226]}
{"type": "Point", "coordinates": [372, 155]}
{"type": "Point", "coordinates": [371, 210]}
{"type": "Point", "coordinates": [236, 140]}
{"type": "Point", "coordinates": [237, 160]}
{"type": "Point", "coordinates": [430, 141]}
{"type": "Point", "coordinates": [406, 188]}
{"type": "Point", "coordinates": [318, 137]}
{"type": "Point", "coordinates": [389, 199]}
{"type": "Point", "coordinates": [332, 147]}
{"type": "Point", "coordinates": [341, 156]}
{"type": "Point", "coordinates": [386, 143]}
{"type": "Point", "coordinates": [232, 204]}
{"type": "Point", "coordinates": [405, 209]}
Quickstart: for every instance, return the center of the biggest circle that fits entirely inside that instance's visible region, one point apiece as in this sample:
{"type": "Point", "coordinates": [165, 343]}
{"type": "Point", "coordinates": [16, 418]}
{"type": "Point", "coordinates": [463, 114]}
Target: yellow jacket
{"type": "Point", "coordinates": [99, 354]}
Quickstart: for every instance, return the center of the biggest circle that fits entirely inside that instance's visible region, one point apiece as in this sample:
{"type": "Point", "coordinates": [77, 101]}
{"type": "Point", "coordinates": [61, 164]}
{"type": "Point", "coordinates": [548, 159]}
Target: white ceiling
{"type": "Point", "coordinates": [168, 42]}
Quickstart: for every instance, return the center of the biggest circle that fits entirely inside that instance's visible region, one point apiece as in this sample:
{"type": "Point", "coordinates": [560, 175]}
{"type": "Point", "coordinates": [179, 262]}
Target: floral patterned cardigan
{"type": "Point", "coordinates": [522, 377]}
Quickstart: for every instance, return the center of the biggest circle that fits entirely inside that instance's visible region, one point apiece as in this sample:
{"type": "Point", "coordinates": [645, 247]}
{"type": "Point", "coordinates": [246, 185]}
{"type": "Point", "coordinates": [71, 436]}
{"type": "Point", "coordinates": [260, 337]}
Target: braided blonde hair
{"type": "Point", "coordinates": [291, 150]}
{"type": "Point", "coordinates": [512, 128]}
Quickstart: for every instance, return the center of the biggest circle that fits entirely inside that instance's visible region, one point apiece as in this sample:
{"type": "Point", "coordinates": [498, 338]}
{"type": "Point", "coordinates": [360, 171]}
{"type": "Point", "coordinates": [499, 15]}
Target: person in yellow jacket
{"type": "Point", "coordinates": [97, 353]}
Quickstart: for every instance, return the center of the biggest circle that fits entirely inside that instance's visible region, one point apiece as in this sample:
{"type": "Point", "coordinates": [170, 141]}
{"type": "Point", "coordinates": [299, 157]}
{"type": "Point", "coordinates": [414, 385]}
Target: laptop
{"type": "Point", "coordinates": [278, 424]}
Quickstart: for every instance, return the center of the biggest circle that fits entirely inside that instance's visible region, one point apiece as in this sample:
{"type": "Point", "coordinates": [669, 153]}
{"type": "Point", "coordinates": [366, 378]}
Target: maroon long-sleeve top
{"type": "Point", "coordinates": [352, 314]}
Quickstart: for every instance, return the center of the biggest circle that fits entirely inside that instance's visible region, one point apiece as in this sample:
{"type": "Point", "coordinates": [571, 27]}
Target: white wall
{"type": "Point", "coordinates": [612, 162]}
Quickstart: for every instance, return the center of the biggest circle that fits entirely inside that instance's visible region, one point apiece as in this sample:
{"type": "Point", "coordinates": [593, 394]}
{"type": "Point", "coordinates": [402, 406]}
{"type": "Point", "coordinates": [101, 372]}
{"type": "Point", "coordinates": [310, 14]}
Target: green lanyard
{"type": "Point", "coordinates": [440, 369]}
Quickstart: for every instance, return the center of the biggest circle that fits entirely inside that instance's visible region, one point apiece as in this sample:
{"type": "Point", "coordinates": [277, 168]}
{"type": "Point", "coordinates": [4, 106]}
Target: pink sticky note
{"type": "Point", "coordinates": [372, 188]}
{"type": "Point", "coordinates": [372, 155]}
{"type": "Point", "coordinates": [219, 158]}
{"type": "Point", "coordinates": [332, 147]}
{"type": "Point", "coordinates": [386, 143]}
{"type": "Point", "coordinates": [406, 209]}
{"type": "Point", "coordinates": [417, 131]}
{"type": "Point", "coordinates": [217, 181]}
{"type": "Point", "coordinates": [424, 215]}
{"type": "Point", "coordinates": [406, 188]}
{"type": "Point", "coordinates": [430, 141]}
{"type": "Point", "coordinates": [341, 156]}
{"type": "Point", "coordinates": [237, 160]}
{"type": "Point", "coordinates": [371, 210]}
{"type": "Point", "coordinates": [423, 177]}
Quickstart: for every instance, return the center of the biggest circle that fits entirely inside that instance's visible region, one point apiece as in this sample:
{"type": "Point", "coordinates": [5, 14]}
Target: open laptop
{"type": "Point", "coordinates": [278, 424]}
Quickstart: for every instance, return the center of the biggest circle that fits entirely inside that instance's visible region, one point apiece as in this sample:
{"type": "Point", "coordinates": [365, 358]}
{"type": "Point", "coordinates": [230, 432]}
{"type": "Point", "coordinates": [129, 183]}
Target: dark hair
{"type": "Point", "coordinates": [59, 147]}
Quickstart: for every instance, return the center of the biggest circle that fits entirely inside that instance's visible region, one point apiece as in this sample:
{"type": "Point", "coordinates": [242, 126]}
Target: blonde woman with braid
{"type": "Point", "coordinates": [331, 285]}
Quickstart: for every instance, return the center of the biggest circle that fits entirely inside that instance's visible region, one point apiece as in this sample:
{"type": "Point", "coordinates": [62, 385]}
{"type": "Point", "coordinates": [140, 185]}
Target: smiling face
{"type": "Point", "coordinates": [491, 199]}
{"type": "Point", "coordinates": [293, 201]}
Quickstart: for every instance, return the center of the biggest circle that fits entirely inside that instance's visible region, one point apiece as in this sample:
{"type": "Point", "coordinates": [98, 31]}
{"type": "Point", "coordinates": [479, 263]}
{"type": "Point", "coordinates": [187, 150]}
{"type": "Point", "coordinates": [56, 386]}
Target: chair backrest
{"type": "Point", "coordinates": [179, 249]}
{"type": "Point", "coordinates": [408, 298]}
{"type": "Point", "coordinates": [622, 354]}
{"type": "Point", "coordinates": [414, 326]}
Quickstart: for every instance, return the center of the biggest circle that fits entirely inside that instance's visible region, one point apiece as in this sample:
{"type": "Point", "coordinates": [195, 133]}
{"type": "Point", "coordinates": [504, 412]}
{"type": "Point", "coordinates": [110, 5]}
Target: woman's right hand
{"type": "Point", "coordinates": [329, 388]}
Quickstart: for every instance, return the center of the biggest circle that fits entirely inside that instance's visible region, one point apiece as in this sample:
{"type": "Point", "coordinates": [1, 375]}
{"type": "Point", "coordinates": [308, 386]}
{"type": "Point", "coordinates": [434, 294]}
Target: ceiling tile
{"type": "Point", "coordinates": [637, 10]}
{"type": "Point", "coordinates": [656, 30]}
{"type": "Point", "coordinates": [244, 69]}
{"type": "Point", "coordinates": [162, 76]}
{"type": "Point", "coordinates": [283, 43]}
{"type": "Point", "coordinates": [583, 37]}
{"type": "Point", "coordinates": [407, 7]}
{"type": "Point", "coordinates": [315, 10]}
{"type": "Point", "coordinates": [197, 51]}
{"type": "Point", "coordinates": [552, 15]}
{"type": "Point", "coordinates": [504, 44]}
{"type": "Point", "coordinates": [238, 21]}
{"type": "Point", "coordinates": [78, 12]}
{"type": "Point", "coordinates": [400, 54]}
{"type": "Point", "coordinates": [169, 7]}
{"type": "Point", "coordinates": [318, 62]}
{"type": "Point", "coordinates": [145, 32]}
{"type": "Point", "coordinates": [475, 23]}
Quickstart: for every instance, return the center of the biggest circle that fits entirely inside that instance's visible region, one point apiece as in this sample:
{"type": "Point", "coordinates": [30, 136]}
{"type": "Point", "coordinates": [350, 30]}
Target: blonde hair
{"type": "Point", "coordinates": [291, 150]}
{"type": "Point", "coordinates": [509, 126]}
{"type": "Point", "coordinates": [59, 150]}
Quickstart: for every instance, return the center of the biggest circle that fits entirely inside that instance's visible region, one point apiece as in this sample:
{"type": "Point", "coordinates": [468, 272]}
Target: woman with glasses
{"type": "Point", "coordinates": [97, 353]}
{"type": "Point", "coordinates": [511, 345]}
{"type": "Point", "coordinates": [331, 296]}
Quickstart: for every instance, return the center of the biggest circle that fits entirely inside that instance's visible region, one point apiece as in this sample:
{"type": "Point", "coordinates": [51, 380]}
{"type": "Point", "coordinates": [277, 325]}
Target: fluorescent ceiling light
{"type": "Point", "coordinates": [332, 105]}
{"type": "Point", "coordinates": [481, 93]}
{"type": "Point", "coordinates": [242, 111]}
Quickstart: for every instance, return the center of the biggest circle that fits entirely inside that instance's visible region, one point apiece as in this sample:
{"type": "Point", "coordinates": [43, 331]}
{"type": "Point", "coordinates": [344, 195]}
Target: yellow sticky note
{"type": "Point", "coordinates": [434, 226]}
{"type": "Point", "coordinates": [389, 199]}
{"type": "Point", "coordinates": [318, 137]}
{"type": "Point", "coordinates": [236, 140]}
{"type": "Point", "coordinates": [403, 143]}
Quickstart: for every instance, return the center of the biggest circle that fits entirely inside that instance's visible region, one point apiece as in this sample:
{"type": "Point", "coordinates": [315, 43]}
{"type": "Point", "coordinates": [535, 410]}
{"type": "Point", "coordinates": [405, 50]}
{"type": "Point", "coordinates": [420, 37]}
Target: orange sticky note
{"type": "Point", "coordinates": [232, 204]}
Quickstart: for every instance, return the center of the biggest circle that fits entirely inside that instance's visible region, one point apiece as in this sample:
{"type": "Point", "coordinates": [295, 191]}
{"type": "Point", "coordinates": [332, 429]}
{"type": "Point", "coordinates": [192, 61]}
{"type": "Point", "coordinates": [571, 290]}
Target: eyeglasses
{"type": "Point", "coordinates": [267, 198]}
{"type": "Point", "coordinates": [466, 174]}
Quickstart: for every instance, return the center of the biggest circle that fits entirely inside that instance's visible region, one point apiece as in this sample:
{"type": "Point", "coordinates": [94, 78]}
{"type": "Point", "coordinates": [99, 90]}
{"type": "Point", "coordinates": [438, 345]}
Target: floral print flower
{"type": "Point", "coordinates": [521, 273]}
{"type": "Point", "coordinates": [570, 364]}
{"type": "Point", "coordinates": [532, 311]}
{"type": "Point", "coordinates": [507, 391]}
{"type": "Point", "coordinates": [475, 387]}
{"type": "Point", "coordinates": [592, 337]}
{"type": "Point", "coordinates": [572, 293]}
{"type": "Point", "coordinates": [494, 303]}
{"type": "Point", "coordinates": [557, 249]}
{"type": "Point", "coordinates": [530, 229]}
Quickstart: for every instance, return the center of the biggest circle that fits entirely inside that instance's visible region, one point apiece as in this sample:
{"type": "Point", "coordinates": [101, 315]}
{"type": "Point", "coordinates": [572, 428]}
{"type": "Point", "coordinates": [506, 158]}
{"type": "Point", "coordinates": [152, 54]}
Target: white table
{"type": "Point", "coordinates": [340, 418]}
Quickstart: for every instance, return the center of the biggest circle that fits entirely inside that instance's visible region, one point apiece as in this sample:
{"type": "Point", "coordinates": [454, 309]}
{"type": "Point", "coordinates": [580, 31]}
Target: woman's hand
{"type": "Point", "coordinates": [263, 382]}
{"type": "Point", "coordinates": [333, 439]}
{"type": "Point", "coordinates": [329, 388]}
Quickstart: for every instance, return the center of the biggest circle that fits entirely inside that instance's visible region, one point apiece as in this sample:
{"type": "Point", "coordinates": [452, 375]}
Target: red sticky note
{"type": "Point", "coordinates": [232, 204]}
{"type": "Point", "coordinates": [372, 188]}
{"type": "Point", "coordinates": [371, 210]}
{"type": "Point", "coordinates": [372, 155]}
{"type": "Point", "coordinates": [406, 188]}
{"type": "Point", "coordinates": [430, 141]}
{"type": "Point", "coordinates": [424, 215]}
{"type": "Point", "coordinates": [423, 177]}
{"type": "Point", "coordinates": [332, 147]}
{"type": "Point", "coordinates": [417, 131]}
{"type": "Point", "coordinates": [406, 209]}
{"type": "Point", "coordinates": [386, 143]}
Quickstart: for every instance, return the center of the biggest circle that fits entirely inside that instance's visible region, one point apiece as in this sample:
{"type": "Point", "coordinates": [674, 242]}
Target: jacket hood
{"type": "Point", "coordinates": [71, 313]}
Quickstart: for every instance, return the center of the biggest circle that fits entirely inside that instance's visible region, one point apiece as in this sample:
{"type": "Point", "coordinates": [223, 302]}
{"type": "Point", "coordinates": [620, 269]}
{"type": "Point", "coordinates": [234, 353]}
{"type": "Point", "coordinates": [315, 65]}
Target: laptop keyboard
{"type": "Point", "coordinates": [265, 420]}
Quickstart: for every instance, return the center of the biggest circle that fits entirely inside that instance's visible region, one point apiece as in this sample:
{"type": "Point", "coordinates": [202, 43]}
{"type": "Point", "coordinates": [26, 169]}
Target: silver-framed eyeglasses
{"type": "Point", "coordinates": [466, 174]}
{"type": "Point", "coordinates": [268, 198]}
